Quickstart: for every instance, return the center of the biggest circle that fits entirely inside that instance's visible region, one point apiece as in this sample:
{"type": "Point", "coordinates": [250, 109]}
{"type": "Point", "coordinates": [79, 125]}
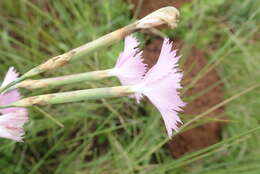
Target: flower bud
{"type": "Point", "coordinates": [165, 15]}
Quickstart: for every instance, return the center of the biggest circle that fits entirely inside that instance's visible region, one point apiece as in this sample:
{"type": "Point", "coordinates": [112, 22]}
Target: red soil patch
{"type": "Point", "coordinates": [147, 6]}
{"type": "Point", "coordinates": [206, 134]}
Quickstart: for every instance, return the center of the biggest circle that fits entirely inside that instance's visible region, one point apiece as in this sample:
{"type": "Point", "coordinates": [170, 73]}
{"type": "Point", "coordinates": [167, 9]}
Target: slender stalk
{"type": "Point", "coordinates": [166, 15]}
{"type": "Point", "coordinates": [5, 106]}
{"type": "Point", "coordinates": [82, 51]}
{"type": "Point", "coordinates": [73, 96]}
{"type": "Point", "coordinates": [77, 53]}
{"type": "Point", "coordinates": [63, 80]}
{"type": "Point", "coordinates": [3, 89]}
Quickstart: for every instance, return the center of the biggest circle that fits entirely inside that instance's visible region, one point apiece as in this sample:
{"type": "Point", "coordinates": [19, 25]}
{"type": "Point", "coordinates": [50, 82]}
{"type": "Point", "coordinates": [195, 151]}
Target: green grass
{"type": "Point", "coordinates": [117, 135]}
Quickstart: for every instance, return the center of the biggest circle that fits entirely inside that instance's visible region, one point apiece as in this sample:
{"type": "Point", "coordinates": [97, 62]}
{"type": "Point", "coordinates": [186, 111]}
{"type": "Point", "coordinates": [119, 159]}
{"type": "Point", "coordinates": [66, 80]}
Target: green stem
{"type": "Point", "coordinates": [6, 106]}
{"type": "Point", "coordinates": [3, 89]}
{"type": "Point", "coordinates": [82, 51]}
{"type": "Point", "coordinates": [63, 80]}
{"type": "Point", "coordinates": [77, 53]}
{"type": "Point", "coordinates": [165, 15]}
{"type": "Point", "coordinates": [74, 96]}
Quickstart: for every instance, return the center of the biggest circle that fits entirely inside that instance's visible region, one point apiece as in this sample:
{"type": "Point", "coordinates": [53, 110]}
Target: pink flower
{"type": "Point", "coordinates": [161, 84]}
{"type": "Point", "coordinates": [129, 67]}
{"type": "Point", "coordinates": [12, 119]}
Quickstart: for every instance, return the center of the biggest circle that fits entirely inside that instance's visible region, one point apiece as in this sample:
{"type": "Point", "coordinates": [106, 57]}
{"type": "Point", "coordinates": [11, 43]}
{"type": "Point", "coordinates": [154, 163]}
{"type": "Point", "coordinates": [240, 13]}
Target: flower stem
{"type": "Point", "coordinates": [165, 15]}
{"type": "Point", "coordinates": [20, 79]}
{"type": "Point", "coordinates": [63, 80]}
{"type": "Point", "coordinates": [74, 96]}
{"type": "Point", "coordinates": [5, 106]}
{"type": "Point", "coordinates": [77, 53]}
{"type": "Point", "coordinates": [82, 51]}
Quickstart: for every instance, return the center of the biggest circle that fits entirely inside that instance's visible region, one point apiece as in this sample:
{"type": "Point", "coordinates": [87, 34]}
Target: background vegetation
{"type": "Point", "coordinates": [119, 136]}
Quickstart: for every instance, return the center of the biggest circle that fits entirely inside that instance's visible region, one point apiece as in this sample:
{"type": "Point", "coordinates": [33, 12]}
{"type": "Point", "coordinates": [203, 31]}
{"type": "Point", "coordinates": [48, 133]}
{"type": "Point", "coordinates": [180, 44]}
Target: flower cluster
{"type": "Point", "coordinates": [12, 119]}
{"type": "Point", "coordinates": [160, 84]}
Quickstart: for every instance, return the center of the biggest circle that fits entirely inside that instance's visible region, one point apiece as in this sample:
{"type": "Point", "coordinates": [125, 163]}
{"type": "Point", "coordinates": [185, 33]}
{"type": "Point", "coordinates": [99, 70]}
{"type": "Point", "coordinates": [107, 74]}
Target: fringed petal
{"type": "Point", "coordinates": [11, 96]}
{"type": "Point", "coordinates": [166, 63]}
{"type": "Point", "coordinates": [13, 119]}
{"type": "Point", "coordinates": [130, 49]}
{"type": "Point", "coordinates": [10, 76]}
{"type": "Point", "coordinates": [166, 98]}
{"type": "Point", "coordinates": [161, 84]}
{"type": "Point", "coordinates": [130, 68]}
{"type": "Point", "coordinates": [11, 125]}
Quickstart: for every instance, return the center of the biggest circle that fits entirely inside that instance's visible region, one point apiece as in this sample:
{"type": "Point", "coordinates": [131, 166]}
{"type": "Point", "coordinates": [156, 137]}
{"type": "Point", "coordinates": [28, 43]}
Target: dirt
{"type": "Point", "coordinates": [206, 134]}
{"type": "Point", "coordinates": [147, 6]}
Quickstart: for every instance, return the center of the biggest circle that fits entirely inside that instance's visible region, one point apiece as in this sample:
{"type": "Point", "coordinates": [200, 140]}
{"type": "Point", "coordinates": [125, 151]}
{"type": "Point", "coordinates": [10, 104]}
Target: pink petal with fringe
{"type": "Point", "coordinates": [11, 125]}
{"type": "Point", "coordinates": [130, 68]}
{"type": "Point", "coordinates": [13, 119]}
{"type": "Point", "coordinates": [161, 84]}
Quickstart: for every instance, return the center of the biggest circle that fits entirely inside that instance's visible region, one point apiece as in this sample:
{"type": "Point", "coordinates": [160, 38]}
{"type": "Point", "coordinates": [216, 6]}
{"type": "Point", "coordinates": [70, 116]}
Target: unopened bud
{"type": "Point", "coordinates": [166, 15]}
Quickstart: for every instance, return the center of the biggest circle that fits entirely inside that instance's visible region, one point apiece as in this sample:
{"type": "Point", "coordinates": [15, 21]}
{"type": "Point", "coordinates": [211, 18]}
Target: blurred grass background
{"type": "Point", "coordinates": [117, 135]}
